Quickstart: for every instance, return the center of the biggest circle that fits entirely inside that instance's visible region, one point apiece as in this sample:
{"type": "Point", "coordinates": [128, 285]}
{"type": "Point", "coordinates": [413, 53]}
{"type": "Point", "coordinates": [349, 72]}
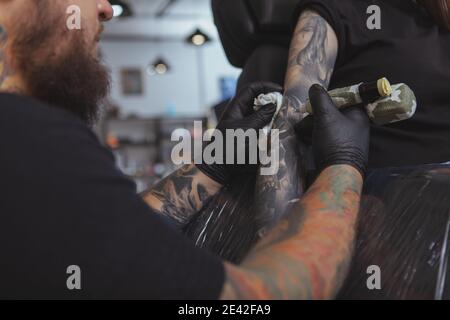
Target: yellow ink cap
{"type": "Point", "coordinates": [384, 87]}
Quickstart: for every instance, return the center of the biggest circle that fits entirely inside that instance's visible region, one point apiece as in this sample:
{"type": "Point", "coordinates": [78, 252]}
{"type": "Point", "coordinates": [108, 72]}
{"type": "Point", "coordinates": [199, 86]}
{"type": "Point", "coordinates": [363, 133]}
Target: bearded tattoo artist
{"type": "Point", "coordinates": [64, 203]}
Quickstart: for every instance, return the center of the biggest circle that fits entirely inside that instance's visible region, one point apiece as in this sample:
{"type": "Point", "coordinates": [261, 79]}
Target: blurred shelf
{"type": "Point", "coordinates": [137, 144]}
{"type": "Point", "coordinates": [142, 143]}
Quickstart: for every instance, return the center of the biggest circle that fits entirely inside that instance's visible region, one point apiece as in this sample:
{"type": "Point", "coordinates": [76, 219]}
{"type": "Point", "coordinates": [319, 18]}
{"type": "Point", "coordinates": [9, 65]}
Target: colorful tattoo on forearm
{"type": "Point", "coordinates": [307, 255]}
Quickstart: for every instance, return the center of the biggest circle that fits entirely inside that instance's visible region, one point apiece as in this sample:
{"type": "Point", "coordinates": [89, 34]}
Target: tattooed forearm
{"type": "Point", "coordinates": [307, 254]}
{"type": "Point", "coordinates": [315, 58]}
{"type": "Point", "coordinates": [182, 194]}
{"type": "Point", "coordinates": [312, 56]}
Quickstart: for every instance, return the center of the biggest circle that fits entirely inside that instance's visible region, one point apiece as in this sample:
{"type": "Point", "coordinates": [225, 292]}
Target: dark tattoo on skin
{"type": "Point", "coordinates": [311, 61]}
{"type": "Point", "coordinates": [182, 195]}
{"type": "Point", "coordinates": [313, 57]}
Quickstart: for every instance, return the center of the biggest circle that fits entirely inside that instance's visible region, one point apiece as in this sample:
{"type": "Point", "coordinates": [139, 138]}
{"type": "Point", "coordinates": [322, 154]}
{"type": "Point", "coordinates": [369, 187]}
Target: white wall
{"type": "Point", "coordinates": [179, 87]}
{"type": "Point", "coordinates": [136, 42]}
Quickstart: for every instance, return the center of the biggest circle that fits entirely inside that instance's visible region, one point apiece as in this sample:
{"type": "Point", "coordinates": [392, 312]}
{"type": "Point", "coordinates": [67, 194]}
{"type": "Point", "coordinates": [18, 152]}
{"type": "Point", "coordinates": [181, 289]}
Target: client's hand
{"type": "Point", "coordinates": [338, 137]}
{"type": "Point", "coordinates": [241, 115]}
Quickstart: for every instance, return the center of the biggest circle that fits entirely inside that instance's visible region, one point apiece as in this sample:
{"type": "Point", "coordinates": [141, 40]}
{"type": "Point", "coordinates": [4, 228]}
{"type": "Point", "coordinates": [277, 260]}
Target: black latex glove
{"type": "Point", "coordinates": [339, 137]}
{"type": "Point", "coordinates": [240, 114]}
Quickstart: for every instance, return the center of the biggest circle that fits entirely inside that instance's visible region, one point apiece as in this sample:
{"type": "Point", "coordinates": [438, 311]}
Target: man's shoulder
{"type": "Point", "coordinates": [19, 109]}
{"type": "Point", "coordinates": [28, 118]}
{"type": "Point", "coordinates": [28, 125]}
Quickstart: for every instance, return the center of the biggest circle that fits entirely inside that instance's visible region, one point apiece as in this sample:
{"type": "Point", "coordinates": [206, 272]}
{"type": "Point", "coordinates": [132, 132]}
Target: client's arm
{"type": "Point", "coordinates": [306, 255]}
{"type": "Point", "coordinates": [184, 193]}
{"type": "Point", "coordinates": [312, 57]}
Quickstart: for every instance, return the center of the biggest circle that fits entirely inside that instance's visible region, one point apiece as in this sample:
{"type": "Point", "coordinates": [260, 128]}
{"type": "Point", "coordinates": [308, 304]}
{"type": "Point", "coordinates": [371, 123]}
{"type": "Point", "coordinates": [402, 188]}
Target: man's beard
{"type": "Point", "coordinates": [67, 76]}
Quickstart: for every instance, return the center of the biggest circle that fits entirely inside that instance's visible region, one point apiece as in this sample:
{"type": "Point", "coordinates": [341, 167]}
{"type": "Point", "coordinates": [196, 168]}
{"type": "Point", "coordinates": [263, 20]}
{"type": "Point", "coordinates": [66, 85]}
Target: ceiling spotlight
{"type": "Point", "coordinates": [118, 10]}
{"type": "Point", "coordinates": [159, 67]}
{"type": "Point", "coordinates": [121, 9]}
{"type": "Point", "coordinates": [198, 38]}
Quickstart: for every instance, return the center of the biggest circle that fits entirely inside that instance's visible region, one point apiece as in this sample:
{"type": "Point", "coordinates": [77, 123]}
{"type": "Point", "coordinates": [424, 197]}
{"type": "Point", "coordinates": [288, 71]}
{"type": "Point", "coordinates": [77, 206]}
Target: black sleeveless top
{"type": "Point", "coordinates": [411, 48]}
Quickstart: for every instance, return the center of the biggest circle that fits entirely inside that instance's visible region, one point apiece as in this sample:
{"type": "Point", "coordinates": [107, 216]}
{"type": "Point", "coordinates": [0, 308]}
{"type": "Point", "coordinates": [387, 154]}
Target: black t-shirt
{"type": "Point", "coordinates": [63, 203]}
{"type": "Point", "coordinates": [409, 48]}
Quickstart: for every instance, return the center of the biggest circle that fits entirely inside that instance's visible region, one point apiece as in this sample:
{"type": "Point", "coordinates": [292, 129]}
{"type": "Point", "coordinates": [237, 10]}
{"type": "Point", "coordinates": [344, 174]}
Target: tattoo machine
{"type": "Point", "coordinates": [385, 103]}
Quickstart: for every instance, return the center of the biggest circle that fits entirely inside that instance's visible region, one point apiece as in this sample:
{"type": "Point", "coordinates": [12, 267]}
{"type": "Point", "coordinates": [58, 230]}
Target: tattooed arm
{"type": "Point", "coordinates": [311, 60]}
{"type": "Point", "coordinates": [185, 192]}
{"type": "Point", "coordinates": [312, 57]}
{"type": "Point", "coordinates": [182, 194]}
{"type": "Point", "coordinates": [306, 255]}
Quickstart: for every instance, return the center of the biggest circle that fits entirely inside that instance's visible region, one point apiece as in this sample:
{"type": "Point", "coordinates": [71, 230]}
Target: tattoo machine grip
{"type": "Point", "coordinates": [385, 103]}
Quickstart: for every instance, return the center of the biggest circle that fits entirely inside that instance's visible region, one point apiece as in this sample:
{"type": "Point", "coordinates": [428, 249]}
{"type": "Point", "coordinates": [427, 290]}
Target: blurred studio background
{"type": "Point", "coordinates": [168, 69]}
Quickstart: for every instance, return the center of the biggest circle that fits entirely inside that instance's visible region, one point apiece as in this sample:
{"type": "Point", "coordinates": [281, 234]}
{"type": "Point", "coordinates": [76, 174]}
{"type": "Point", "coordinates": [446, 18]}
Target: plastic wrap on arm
{"type": "Point", "coordinates": [403, 229]}
{"type": "Point", "coordinates": [227, 225]}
